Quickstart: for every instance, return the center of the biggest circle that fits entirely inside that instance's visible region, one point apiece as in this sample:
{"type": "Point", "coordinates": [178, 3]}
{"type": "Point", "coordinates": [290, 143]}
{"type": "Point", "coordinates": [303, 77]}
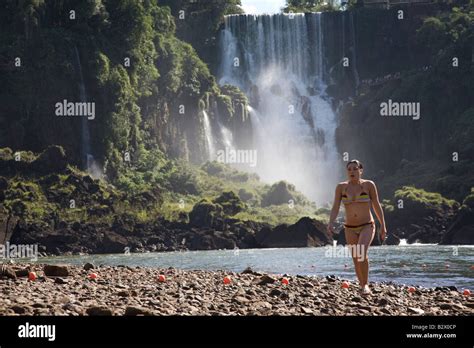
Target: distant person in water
{"type": "Point", "coordinates": [358, 195]}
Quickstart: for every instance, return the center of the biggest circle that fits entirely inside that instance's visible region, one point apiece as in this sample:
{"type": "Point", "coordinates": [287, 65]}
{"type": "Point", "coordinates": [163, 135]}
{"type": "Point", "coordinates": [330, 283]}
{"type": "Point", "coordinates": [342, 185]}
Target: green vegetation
{"type": "Point", "coordinates": [421, 197]}
{"type": "Point", "coordinates": [297, 6]}
{"type": "Point", "coordinates": [155, 187]}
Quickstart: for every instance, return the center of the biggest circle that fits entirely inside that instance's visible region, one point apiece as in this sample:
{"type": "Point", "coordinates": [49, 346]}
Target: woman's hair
{"type": "Point", "coordinates": [359, 163]}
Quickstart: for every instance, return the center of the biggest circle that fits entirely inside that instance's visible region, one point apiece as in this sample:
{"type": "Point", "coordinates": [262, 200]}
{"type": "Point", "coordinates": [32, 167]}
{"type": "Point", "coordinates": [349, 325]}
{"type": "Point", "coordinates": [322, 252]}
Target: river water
{"type": "Point", "coordinates": [427, 265]}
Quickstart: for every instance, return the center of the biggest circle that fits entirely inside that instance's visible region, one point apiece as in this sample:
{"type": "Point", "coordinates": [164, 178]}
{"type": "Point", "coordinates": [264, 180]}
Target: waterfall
{"type": "Point", "coordinates": [209, 138]}
{"type": "Point", "coordinates": [354, 52]}
{"type": "Point", "coordinates": [278, 60]}
{"type": "Point", "coordinates": [87, 158]}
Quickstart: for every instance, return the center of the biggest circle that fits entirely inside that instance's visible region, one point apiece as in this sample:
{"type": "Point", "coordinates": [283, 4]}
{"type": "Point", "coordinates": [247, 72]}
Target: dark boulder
{"type": "Point", "coordinates": [52, 160]}
{"type": "Point", "coordinates": [211, 240]}
{"type": "Point", "coordinates": [461, 231]}
{"type": "Point", "coordinates": [230, 203]}
{"type": "Point", "coordinates": [392, 239]}
{"type": "Point", "coordinates": [56, 270]}
{"type": "Point", "coordinates": [204, 214]}
{"type": "Point", "coordinates": [304, 233]}
{"type": "Point", "coordinates": [114, 243]}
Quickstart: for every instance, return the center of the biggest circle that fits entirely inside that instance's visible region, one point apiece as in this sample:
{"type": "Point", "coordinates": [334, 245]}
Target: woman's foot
{"type": "Point", "coordinates": [365, 290]}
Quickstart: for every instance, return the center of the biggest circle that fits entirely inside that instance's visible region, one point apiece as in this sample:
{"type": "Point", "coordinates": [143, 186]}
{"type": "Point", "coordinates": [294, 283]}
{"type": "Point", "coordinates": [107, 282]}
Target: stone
{"type": "Point", "coordinates": [265, 279]}
{"type": "Point", "coordinates": [133, 311]}
{"type": "Point", "coordinates": [56, 271]}
{"type": "Point", "coordinates": [88, 266]}
{"type": "Point", "coordinates": [415, 310]}
{"type": "Point", "coordinates": [7, 272]}
{"type": "Point", "coordinates": [61, 281]}
{"type": "Point", "coordinates": [445, 306]}
{"type": "Point", "coordinates": [99, 311]}
{"type": "Point", "coordinates": [241, 299]}
{"type": "Point", "coordinates": [275, 292]}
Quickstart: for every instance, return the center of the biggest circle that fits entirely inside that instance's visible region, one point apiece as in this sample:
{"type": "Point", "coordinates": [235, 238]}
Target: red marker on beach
{"type": "Point", "coordinates": [345, 285]}
{"type": "Point", "coordinates": [31, 276]}
{"type": "Point", "coordinates": [227, 280]}
{"type": "Point", "coordinates": [161, 278]}
{"type": "Point", "coordinates": [466, 292]}
{"type": "Point", "coordinates": [411, 289]}
{"type": "Point", "coordinates": [93, 276]}
{"type": "Point", "coordinates": [285, 281]}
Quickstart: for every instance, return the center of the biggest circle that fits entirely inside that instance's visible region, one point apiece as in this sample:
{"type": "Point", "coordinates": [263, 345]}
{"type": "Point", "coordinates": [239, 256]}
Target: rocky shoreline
{"type": "Point", "coordinates": [69, 290]}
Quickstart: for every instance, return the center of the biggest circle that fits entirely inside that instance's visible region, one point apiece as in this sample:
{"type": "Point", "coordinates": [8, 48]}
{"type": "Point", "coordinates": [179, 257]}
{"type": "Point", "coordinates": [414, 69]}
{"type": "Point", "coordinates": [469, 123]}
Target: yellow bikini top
{"type": "Point", "coordinates": [362, 198]}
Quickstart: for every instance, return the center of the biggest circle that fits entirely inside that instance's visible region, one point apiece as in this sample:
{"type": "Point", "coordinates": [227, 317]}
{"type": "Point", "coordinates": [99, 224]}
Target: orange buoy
{"type": "Point", "coordinates": [411, 289]}
{"type": "Point", "coordinates": [285, 281]}
{"type": "Point", "coordinates": [32, 276]}
{"type": "Point", "coordinates": [227, 280]}
{"type": "Point", "coordinates": [466, 292]}
{"type": "Point", "coordinates": [472, 267]}
{"type": "Point", "coordinates": [161, 278]}
{"type": "Point", "coordinates": [93, 276]}
{"type": "Point", "coordinates": [345, 285]}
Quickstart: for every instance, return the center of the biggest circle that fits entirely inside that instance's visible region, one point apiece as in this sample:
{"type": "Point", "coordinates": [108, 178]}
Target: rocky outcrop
{"type": "Point", "coordinates": [52, 160]}
{"type": "Point", "coordinates": [304, 233]}
{"type": "Point", "coordinates": [419, 216]}
{"type": "Point", "coordinates": [7, 224]}
{"type": "Point", "coordinates": [461, 231]}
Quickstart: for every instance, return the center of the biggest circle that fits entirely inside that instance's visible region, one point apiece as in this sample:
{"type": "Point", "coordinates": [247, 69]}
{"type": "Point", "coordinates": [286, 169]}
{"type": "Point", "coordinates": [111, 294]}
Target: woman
{"type": "Point", "coordinates": [358, 195]}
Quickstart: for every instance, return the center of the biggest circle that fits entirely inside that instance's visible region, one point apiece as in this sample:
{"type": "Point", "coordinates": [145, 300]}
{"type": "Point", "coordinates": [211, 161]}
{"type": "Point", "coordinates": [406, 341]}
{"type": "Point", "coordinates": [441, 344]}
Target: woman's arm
{"type": "Point", "coordinates": [335, 208]}
{"type": "Point", "coordinates": [377, 208]}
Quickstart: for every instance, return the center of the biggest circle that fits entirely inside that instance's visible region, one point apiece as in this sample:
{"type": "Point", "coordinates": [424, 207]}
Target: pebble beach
{"type": "Point", "coordinates": [37, 289]}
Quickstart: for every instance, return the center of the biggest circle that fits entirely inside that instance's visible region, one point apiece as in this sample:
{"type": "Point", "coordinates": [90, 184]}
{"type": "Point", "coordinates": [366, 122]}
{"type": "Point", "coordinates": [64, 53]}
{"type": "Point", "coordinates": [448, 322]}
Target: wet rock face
{"type": "Point", "coordinates": [135, 291]}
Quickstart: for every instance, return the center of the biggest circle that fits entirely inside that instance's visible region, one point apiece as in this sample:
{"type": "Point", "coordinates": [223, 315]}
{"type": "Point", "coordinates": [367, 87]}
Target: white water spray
{"type": "Point", "coordinates": [278, 60]}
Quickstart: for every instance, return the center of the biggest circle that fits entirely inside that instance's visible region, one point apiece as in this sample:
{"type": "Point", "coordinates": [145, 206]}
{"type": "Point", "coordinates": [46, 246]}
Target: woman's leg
{"type": "Point", "coordinates": [365, 239]}
{"type": "Point", "coordinates": [352, 238]}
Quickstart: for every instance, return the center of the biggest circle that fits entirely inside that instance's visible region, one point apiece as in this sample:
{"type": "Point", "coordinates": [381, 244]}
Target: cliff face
{"type": "Point", "coordinates": [149, 89]}
{"type": "Point", "coordinates": [427, 64]}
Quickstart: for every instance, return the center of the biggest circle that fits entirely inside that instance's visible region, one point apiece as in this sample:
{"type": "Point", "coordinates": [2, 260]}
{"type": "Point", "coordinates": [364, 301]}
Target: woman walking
{"type": "Point", "coordinates": [358, 196]}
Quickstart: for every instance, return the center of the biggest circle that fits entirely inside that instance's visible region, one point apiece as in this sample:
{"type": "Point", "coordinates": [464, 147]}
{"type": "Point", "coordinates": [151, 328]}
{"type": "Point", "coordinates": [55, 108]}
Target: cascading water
{"type": "Point", "coordinates": [278, 60]}
{"type": "Point", "coordinates": [209, 138]}
{"type": "Point", "coordinates": [87, 157]}
{"type": "Point", "coordinates": [354, 52]}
